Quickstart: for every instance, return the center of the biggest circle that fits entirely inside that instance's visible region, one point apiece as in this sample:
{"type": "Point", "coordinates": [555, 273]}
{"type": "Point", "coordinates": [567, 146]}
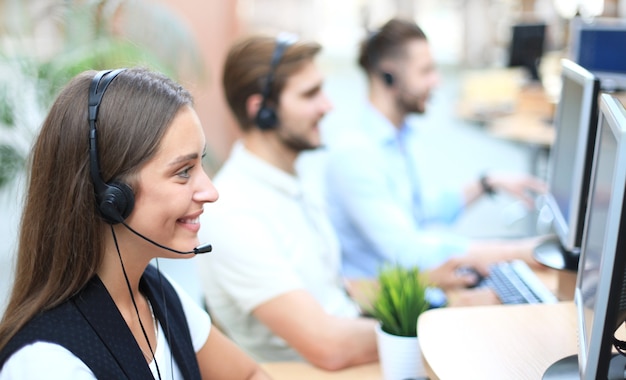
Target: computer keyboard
{"type": "Point", "coordinates": [515, 283]}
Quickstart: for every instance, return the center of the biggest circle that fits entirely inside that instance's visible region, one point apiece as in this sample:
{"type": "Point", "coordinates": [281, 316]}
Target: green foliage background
{"type": "Point", "coordinates": [44, 44]}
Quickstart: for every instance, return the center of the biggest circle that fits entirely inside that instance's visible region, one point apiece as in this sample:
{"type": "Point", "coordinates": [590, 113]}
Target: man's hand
{"type": "Point", "coordinates": [522, 187]}
{"type": "Point", "coordinates": [450, 275]}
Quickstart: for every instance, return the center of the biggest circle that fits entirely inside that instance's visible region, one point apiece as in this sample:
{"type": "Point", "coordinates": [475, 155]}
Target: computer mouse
{"type": "Point", "coordinates": [470, 271]}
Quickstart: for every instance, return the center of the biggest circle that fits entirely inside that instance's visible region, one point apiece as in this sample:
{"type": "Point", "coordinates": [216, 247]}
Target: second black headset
{"type": "Point", "coordinates": [266, 117]}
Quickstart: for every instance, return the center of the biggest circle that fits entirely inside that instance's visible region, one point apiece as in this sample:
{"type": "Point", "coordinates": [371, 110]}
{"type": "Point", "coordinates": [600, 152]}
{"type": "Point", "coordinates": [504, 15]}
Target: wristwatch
{"type": "Point", "coordinates": [486, 187]}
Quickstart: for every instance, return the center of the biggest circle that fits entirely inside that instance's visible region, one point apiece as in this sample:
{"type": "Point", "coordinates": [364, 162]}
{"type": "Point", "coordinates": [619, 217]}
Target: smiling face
{"type": "Point", "coordinates": [302, 105]}
{"type": "Point", "coordinates": [172, 187]}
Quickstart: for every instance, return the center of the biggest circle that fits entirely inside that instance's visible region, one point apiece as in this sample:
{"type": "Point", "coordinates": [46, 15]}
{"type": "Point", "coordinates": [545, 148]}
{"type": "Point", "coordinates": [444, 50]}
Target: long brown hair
{"type": "Point", "coordinates": [61, 233]}
{"type": "Point", "coordinates": [247, 67]}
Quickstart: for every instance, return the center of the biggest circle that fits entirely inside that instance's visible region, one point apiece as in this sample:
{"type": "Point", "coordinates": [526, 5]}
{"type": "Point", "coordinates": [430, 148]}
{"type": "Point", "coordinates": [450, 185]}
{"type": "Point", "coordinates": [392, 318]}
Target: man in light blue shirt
{"type": "Point", "coordinates": [376, 201]}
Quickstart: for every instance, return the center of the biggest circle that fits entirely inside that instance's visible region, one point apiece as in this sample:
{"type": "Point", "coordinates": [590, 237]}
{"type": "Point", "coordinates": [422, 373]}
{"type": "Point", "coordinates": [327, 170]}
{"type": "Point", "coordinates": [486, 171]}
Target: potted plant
{"type": "Point", "coordinates": [398, 302]}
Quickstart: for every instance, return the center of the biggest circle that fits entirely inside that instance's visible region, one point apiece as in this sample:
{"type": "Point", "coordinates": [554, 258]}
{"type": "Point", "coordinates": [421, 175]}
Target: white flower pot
{"type": "Point", "coordinates": [400, 356]}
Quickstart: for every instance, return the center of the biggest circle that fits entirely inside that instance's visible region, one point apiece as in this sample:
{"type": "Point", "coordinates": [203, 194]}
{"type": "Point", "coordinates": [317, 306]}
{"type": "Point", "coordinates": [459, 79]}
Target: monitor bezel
{"type": "Point", "coordinates": [570, 231]}
{"type": "Point", "coordinates": [606, 314]}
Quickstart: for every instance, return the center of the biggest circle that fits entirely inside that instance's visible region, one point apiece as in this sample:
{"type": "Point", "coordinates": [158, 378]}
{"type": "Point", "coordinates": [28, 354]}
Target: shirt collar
{"type": "Point", "coordinates": [264, 172]}
{"type": "Point", "coordinates": [380, 128]}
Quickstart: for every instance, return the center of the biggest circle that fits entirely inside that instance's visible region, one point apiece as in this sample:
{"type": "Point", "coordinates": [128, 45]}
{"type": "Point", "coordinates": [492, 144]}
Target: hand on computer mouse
{"type": "Point", "coordinates": [471, 277]}
{"type": "Point", "coordinates": [447, 276]}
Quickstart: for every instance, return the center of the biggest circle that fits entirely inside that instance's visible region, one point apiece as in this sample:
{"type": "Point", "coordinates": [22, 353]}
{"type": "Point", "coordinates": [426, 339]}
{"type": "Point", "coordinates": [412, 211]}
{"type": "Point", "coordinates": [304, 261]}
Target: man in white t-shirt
{"type": "Point", "coordinates": [273, 281]}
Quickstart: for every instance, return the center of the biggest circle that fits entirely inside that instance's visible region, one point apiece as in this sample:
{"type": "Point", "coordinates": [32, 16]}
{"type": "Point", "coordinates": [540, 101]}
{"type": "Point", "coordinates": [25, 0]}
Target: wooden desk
{"type": "Point", "coordinates": [305, 371]}
{"type": "Point", "coordinates": [530, 122]}
{"type": "Point", "coordinates": [489, 93]}
{"type": "Point", "coordinates": [523, 128]}
{"type": "Point", "coordinates": [493, 93]}
{"type": "Point", "coordinates": [497, 342]}
{"type": "Point", "coordinates": [529, 125]}
{"type": "Point", "coordinates": [510, 110]}
{"type": "Point", "coordinates": [440, 344]}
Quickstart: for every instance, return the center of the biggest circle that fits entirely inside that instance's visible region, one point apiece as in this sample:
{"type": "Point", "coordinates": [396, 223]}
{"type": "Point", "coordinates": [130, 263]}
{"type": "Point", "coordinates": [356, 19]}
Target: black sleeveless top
{"type": "Point", "coordinates": [91, 327]}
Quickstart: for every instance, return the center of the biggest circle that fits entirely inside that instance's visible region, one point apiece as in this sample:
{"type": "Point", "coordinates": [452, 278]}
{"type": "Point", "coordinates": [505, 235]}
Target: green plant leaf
{"type": "Point", "coordinates": [400, 300]}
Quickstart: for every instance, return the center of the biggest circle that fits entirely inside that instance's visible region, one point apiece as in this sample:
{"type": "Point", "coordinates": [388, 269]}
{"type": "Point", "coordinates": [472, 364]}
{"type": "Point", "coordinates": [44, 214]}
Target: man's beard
{"type": "Point", "coordinates": [296, 143]}
{"type": "Point", "coordinates": [410, 103]}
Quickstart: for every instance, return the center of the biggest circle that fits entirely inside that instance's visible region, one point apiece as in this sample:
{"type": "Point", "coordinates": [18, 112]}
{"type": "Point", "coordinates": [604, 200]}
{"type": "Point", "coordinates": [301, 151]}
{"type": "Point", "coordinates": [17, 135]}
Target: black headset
{"type": "Point", "coordinates": [388, 78]}
{"type": "Point", "coordinates": [115, 200]}
{"type": "Point", "coordinates": [266, 117]}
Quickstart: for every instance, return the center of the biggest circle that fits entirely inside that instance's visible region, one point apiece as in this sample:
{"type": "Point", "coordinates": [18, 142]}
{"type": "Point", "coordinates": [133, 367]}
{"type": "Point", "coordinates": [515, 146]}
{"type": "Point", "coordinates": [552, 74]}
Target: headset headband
{"type": "Point", "coordinates": [99, 84]}
{"type": "Point", "coordinates": [283, 41]}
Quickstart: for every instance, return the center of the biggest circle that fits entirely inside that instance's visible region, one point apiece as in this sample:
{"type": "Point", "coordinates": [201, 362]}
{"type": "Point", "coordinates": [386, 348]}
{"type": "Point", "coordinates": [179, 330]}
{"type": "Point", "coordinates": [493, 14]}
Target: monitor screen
{"type": "Point", "coordinates": [526, 47]}
{"type": "Point", "coordinates": [597, 45]}
{"type": "Point", "coordinates": [569, 165]}
{"type": "Point", "coordinates": [599, 295]}
{"type": "Point", "coordinates": [598, 53]}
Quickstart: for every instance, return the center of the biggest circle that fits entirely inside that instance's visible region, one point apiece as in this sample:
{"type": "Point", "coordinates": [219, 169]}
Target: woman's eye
{"type": "Point", "coordinates": [185, 172]}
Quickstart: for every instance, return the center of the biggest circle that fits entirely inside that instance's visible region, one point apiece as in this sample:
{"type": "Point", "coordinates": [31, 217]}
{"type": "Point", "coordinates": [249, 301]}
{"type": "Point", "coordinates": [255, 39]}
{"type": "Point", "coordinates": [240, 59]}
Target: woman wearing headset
{"type": "Point", "coordinates": [116, 180]}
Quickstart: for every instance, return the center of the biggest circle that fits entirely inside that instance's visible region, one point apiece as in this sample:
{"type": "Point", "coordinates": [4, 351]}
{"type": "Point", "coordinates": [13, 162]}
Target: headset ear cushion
{"type": "Point", "coordinates": [388, 78]}
{"type": "Point", "coordinates": [266, 118]}
{"type": "Point", "coordinates": [117, 202]}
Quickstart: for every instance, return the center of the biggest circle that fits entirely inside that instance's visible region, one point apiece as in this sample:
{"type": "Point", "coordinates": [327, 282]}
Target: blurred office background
{"type": "Point", "coordinates": [44, 42]}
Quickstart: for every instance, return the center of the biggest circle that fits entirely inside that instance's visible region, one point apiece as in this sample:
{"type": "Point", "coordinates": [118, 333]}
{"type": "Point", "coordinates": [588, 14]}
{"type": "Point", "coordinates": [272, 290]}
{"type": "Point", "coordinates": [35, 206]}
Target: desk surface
{"type": "Point", "coordinates": [523, 128]}
{"type": "Point", "coordinates": [442, 337]}
{"type": "Point", "coordinates": [497, 342]}
{"type": "Point", "coordinates": [305, 371]}
{"type": "Point", "coordinates": [531, 122]}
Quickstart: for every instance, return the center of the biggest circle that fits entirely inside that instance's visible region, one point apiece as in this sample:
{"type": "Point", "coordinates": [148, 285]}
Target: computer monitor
{"type": "Point", "coordinates": [598, 45]}
{"type": "Point", "coordinates": [526, 47]}
{"type": "Point", "coordinates": [600, 294]}
{"type": "Point", "coordinates": [569, 165]}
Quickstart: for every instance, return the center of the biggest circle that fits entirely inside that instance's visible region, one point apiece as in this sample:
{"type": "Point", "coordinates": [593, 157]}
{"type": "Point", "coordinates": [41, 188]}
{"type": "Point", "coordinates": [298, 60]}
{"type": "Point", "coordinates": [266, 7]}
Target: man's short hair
{"type": "Point", "coordinates": [388, 43]}
{"type": "Point", "coordinates": [247, 67]}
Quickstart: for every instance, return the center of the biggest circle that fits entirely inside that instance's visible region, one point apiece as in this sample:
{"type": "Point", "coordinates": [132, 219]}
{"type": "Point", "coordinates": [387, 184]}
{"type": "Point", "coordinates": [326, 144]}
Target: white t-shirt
{"type": "Point", "coordinates": [51, 361]}
{"type": "Point", "coordinates": [269, 237]}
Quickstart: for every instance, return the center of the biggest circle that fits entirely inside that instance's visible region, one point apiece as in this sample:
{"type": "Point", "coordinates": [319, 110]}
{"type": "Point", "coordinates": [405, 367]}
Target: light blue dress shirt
{"type": "Point", "coordinates": [377, 204]}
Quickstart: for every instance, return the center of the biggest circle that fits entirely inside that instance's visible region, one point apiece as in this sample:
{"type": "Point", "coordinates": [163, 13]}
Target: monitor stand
{"type": "Point", "coordinates": [552, 254]}
{"type": "Point", "coordinates": [567, 368]}
{"type": "Point", "coordinates": [563, 369]}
